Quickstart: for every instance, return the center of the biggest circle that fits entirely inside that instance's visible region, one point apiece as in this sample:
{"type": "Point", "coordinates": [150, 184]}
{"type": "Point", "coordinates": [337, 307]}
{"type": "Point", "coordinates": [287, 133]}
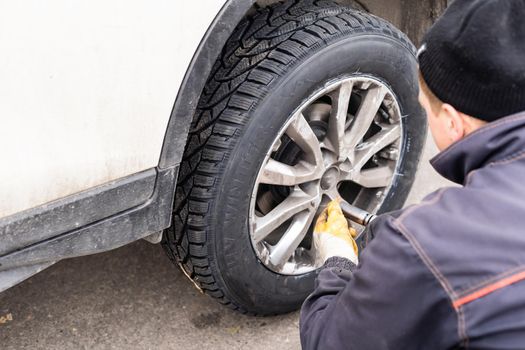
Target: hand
{"type": "Point", "coordinates": [333, 236]}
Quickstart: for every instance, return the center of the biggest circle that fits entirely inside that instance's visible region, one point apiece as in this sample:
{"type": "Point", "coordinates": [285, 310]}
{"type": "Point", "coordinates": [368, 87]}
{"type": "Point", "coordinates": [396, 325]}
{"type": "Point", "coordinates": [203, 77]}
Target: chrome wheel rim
{"type": "Point", "coordinates": [343, 141]}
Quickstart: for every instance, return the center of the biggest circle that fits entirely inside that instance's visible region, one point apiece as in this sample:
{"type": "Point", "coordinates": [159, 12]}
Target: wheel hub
{"type": "Point", "coordinates": [342, 142]}
{"type": "Point", "coordinates": [330, 179]}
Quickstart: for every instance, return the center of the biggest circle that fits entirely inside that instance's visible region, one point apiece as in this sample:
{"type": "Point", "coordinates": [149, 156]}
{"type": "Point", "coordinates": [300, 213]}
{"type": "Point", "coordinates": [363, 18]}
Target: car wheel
{"type": "Point", "coordinates": [308, 102]}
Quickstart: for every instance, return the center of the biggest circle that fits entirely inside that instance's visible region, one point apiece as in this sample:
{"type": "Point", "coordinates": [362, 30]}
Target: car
{"type": "Point", "coordinates": [219, 129]}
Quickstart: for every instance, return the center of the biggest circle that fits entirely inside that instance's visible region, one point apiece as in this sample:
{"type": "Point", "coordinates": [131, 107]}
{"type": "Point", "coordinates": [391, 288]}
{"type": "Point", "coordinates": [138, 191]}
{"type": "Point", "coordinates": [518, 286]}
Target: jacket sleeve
{"type": "Point", "coordinates": [390, 301]}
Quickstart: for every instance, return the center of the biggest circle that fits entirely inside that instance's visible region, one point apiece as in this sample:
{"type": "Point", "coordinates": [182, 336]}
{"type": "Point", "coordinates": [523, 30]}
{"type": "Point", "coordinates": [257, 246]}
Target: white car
{"type": "Point", "coordinates": [217, 128]}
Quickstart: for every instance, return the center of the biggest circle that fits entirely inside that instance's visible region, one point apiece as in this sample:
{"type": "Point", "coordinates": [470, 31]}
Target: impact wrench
{"type": "Point", "coordinates": [356, 215]}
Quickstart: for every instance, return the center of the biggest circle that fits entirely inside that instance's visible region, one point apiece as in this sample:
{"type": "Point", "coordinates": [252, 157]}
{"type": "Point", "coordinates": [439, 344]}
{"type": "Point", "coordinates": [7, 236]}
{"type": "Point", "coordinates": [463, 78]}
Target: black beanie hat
{"type": "Point", "coordinates": [473, 57]}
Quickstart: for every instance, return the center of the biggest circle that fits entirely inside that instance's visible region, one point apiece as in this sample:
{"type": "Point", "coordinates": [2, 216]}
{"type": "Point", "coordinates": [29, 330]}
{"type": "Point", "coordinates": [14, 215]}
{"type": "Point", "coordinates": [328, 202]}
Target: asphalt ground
{"type": "Point", "coordinates": [134, 298]}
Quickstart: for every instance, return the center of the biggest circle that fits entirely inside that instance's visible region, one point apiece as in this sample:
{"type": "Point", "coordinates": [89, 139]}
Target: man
{"type": "Point", "coordinates": [449, 272]}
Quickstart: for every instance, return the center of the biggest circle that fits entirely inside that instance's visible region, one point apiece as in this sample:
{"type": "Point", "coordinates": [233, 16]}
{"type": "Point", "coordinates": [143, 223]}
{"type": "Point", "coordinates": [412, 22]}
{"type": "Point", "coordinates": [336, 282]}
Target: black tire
{"type": "Point", "coordinates": [271, 64]}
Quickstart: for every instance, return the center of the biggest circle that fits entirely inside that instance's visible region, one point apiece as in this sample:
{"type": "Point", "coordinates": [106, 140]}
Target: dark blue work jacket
{"type": "Point", "coordinates": [447, 273]}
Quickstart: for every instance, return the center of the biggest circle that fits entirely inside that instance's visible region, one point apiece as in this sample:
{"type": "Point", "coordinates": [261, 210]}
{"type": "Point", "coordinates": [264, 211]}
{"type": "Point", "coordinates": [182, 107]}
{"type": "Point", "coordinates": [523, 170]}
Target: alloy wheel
{"type": "Point", "coordinates": [342, 142]}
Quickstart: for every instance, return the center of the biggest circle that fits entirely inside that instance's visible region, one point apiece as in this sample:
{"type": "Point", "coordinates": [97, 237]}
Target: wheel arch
{"type": "Point", "coordinates": [195, 78]}
{"type": "Point", "coordinates": [412, 16]}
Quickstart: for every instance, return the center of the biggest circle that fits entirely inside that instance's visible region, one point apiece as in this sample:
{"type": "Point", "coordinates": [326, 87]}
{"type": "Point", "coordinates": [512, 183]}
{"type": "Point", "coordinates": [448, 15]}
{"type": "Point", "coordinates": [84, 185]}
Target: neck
{"type": "Point", "coordinates": [488, 144]}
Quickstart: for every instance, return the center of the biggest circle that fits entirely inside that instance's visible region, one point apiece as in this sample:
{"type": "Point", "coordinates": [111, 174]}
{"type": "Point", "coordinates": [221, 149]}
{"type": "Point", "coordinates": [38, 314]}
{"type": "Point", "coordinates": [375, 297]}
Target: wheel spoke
{"type": "Point", "coordinates": [278, 173]}
{"type": "Point", "coordinates": [303, 135]}
{"type": "Point", "coordinates": [364, 116]}
{"type": "Point", "coordinates": [329, 141]}
{"type": "Point", "coordinates": [338, 116]}
{"type": "Point", "coordinates": [374, 177]}
{"type": "Point", "coordinates": [333, 194]}
{"type": "Point", "coordinates": [296, 202]}
{"type": "Point", "coordinates": [283, 250]}
{"type": "Point", "coordinates": [376, 143]}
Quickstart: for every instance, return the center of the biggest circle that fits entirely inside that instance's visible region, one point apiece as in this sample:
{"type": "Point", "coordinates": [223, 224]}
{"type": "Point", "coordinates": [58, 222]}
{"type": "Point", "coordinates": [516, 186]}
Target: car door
{"type": "Point", "coordinates": [86, 90]}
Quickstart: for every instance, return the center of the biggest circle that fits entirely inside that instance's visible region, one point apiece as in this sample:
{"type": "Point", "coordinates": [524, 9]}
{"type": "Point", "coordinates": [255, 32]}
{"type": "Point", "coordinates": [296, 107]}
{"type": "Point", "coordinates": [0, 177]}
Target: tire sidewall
{"type": "Point", "coordinates": [375, 55]}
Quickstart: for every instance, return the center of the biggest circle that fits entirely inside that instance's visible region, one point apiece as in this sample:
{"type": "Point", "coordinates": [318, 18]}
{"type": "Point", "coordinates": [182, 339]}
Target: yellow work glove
{"type": "Point", "coordinates": [333, 237]}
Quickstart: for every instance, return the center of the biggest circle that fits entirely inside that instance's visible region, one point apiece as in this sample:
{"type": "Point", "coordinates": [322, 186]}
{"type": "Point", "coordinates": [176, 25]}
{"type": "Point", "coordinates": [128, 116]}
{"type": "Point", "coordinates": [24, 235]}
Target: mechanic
{"type": "Point", "coordinates": [449, 272]}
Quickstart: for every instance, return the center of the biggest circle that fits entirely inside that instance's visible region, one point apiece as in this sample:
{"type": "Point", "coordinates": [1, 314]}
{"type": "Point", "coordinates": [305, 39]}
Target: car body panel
{"type": "Point", "coordinates": [87, 89]}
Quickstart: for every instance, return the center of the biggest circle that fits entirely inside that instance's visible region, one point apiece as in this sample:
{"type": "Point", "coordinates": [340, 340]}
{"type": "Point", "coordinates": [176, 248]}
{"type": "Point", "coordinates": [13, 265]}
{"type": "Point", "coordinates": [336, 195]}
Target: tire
{"type": "Point", "coordinates": [273, 61]}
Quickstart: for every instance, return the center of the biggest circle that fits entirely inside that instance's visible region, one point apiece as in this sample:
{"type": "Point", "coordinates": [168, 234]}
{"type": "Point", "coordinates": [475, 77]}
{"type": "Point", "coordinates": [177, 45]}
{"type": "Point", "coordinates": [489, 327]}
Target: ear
{"type": "Point", "coordinates": [454, 124]}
